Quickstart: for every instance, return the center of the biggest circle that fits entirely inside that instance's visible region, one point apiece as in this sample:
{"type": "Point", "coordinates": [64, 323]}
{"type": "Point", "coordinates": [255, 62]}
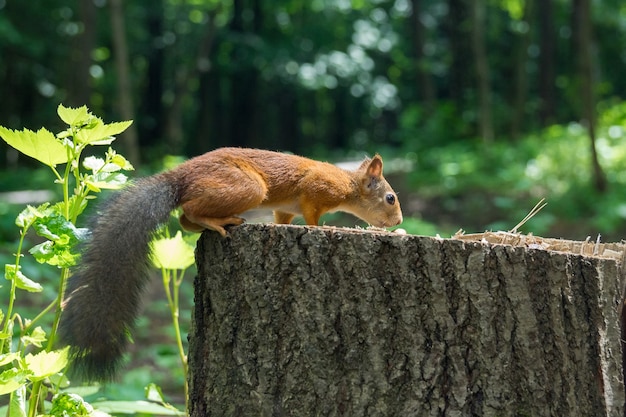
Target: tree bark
{"type": "Point", "coordinates": [483, 87]}
{"type": "Point", "coordinates": [457, 30]}
{"type": "Point", "coordinates": [150, 121]}
{"type": "Point", "coordinates": [547, 62]}
{"type": "Point", "coordinates": [244, 78]}
{"type": "Point", "coordinates": [303, 321]}
{"type": "Point", "coordinates": [582, 19]}
{"type": "Point", "coordinates": [186, 76]}
{"type": "Point", "coordinates": [424, 82]}
{"type": "Point", "coordinates": [130, 144]}
{"type": "Point", "coordinates": [79, 84]}
{"type": "Point", "coordinates": [521, 72]}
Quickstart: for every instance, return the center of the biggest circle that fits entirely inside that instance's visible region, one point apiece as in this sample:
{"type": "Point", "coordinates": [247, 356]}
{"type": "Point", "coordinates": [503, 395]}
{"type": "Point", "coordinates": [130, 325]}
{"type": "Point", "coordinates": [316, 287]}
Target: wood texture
{"type": "Point", "coordinates": [299, 321]}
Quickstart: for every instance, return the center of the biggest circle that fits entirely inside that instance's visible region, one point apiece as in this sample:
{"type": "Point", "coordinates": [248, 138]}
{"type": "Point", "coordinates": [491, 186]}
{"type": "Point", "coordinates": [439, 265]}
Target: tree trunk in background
{"type": "Point", "coordinates": [582, 19]}
{"type": "Point", "coordinates": [308, 321]}
{"type": "Point", "coordinates": [485, 119]}
{"type": "Point", "coordinates": [547, 62]}
{"type": "Point", "coordinates": [79, 84]}
{"type": "Point", "coordinates": [129, 142]}
{"type": "Point", "coordinates": [208, 122]}
{"type": "Point", "coordinates": [521, 71]}
{"type": "Point", "coordinates": [462, 73]}
{"type": "Point", "coordinates": [186, 75]}
{"type": "Point", "coordinates": [339, 135]}
{"type": "Point", "coordinates": [288, 120]}
{"type": "Point", "coordinates": [150, 125]}
{"type": "Point", "coordinates": [244, 80]}
{"type": "Point", "coordinates": [212, 118]}
{"type": "Point", "coordinates": [424, 84]}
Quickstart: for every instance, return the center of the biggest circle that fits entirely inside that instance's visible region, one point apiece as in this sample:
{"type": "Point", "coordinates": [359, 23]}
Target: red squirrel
{"type": "Point", "coordinates": [213, 189]}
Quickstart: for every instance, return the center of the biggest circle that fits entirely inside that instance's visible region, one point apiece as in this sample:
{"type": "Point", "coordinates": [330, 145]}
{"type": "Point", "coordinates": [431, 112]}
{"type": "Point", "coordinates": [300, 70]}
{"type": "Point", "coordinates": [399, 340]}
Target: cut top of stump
{"type": "Point", "coordinates": [586, 248]}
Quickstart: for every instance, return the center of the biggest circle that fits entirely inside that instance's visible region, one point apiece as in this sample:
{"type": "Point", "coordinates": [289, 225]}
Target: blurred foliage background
{"type": "Point", "coordinates": [479, 107]}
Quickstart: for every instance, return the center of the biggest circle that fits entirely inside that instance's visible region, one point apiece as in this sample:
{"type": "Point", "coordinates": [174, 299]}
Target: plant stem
{"type": "Point", "coordinates": [33, 401]}
{"type": "Point", "coordinates": [173, 302]}
{"type": "Point", "coordinates": [179, 339]}
{"type": "Point", "coordinates": [66, 188]}
{"type": "Point", "coordinates": [65, 274]}
{"type": "Point", "coordinates": [35, 393]}
{"type": "Point", "coordinates": [9, 313]}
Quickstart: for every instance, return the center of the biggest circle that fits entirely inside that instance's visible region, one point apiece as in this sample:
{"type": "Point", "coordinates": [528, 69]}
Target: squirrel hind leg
{"type": "Point", "coordinates": [190, 226]}
{"type": "Point", "coordinates": [198, 224]}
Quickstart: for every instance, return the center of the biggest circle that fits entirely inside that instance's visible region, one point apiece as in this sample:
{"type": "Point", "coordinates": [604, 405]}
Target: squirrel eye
{"type": "Point", "coordinates": [391, 199]}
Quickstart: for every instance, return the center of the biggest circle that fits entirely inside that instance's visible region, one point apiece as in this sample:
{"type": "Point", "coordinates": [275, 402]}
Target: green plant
{"type": "Point", "coordinates": [28, 357]}
{"type": "Point", "coordinates": [173, 255]}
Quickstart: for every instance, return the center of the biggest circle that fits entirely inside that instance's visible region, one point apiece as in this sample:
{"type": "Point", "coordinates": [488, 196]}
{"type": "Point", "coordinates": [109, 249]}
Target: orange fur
{"type": "Point", "coordinates": [220, 185]}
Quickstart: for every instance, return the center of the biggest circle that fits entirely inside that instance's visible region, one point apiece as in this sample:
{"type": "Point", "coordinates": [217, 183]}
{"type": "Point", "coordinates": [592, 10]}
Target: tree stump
{"type": "Point", "coordinates": [320, 321]}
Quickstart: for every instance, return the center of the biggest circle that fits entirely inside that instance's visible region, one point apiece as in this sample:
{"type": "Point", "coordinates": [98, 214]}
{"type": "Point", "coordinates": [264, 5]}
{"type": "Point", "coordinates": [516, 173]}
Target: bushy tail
{"type": "Point", "coordinates": [103, 295]}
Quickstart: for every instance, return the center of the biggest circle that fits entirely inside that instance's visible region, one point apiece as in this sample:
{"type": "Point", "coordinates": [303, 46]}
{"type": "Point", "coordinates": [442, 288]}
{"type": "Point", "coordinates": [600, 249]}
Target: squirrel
{"type": "Point", "coordinates": [213, 189]}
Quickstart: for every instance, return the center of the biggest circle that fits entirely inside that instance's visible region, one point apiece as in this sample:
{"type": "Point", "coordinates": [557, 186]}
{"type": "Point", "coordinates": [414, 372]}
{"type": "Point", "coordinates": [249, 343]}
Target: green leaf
{"type": "Point", "coordinates": [60, 380]}
{"type": "Point", "coordinates": [115, 128]}
{"type": "Point", "coordinates": [36, 338]}
{"type": "Point", "coordinates": [191, 239]}
{"type": "Point", "coordinates": [104, 141]}
{"type": "Point", "coordinates": [108, 180]}
{"type": "Point", "coordinates": [100, 133]}
{"type": "Point", "coordinates": [154, 393]}
{"type": "Point", "coordinates": [63, 235]}
{"type": "Point", "coordinates": [13, 272]}
{"type": "Point", "coordinates": [74, 116]}
{"type": "Point", "coordinates": [30, 214]}
{"type": "Point", "coordinates": [120, 161]}
{"type": "Point", "coordinates": [56, 255]}
{"type": "Point", "coordinates": [172, 253]}
{"type": "Point", "coordinates": [43, 252]}
{"type": "Point", "coordinates": [45, 364]}
{"type": "Point", "coordinates": [8, 358]}
{"type": "Point", "coordinates": [43, 231]}
{"type": "Point", "coordinates": [18, 402]}
{"type": "Point", "coordinates": [86, 390]}
{"type": "Point", "coordinates": [135, 407]}
{"type": "Point", "coordinates": [92, 187]}
{"type": "Point", "coordinates": [68, 404]}
{"type": "Point", "coordinates": [25, 283]}
{"type": "Point", "coordinates": [110, 167]}
{"type": "Point", "coordinates": [12, 379]}
{"type": "Point", "coordinates": [57, 224]}
{"type": "Point", "coordinates": [42, 145]}
{"type": "Point", "coordinates": [10, 271]}
{"type": "Point", "coordinates": [99, 165]}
